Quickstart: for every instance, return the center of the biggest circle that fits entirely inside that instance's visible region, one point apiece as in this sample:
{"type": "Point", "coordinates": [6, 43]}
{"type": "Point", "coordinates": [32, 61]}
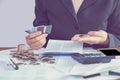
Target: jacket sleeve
{"type": "Point", "coordinates": [41, 17]}
{"type": "Point", "coordinates": [114, 26]}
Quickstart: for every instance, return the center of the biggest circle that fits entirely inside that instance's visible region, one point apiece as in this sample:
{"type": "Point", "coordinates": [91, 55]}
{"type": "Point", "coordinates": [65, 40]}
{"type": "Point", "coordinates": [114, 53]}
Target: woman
{"type": "Point", "coordinates": [98, 20]}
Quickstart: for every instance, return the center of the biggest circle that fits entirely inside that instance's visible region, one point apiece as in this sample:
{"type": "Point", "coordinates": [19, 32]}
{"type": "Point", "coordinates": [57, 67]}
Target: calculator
{"type": "Point", "coordinates": [92, 58]}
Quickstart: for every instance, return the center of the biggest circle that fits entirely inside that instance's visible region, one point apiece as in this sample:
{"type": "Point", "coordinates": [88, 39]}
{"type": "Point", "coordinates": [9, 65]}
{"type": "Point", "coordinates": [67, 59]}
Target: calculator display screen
{"type": "Point", "coordinates": [110, 52]}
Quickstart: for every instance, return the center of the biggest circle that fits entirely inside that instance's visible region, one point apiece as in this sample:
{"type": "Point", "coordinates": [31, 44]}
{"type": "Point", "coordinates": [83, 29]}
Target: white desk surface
{"type": "Point", "coordinates": [48, 71]}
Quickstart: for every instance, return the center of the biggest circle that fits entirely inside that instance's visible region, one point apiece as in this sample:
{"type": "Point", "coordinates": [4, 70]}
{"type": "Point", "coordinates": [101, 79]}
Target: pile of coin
{"type": "Point", "coordinates": [47, 59]}
{"type": "Point", "coordinates": [29, 57]}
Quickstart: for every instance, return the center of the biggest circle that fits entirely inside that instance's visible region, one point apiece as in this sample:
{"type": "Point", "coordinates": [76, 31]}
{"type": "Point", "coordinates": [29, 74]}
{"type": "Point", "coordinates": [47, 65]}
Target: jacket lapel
{"type": "Point", "coordinates": [86, 4]}
{"type": "Point", "coordinates": [69, 6]}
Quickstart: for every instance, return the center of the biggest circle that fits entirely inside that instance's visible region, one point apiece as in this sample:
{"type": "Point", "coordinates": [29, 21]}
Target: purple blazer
{"type": "Point", "coordinates": [93, 15]}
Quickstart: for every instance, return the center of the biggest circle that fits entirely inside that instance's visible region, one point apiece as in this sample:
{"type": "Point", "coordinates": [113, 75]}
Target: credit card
{"type": "Point", "coordinates": [43, 28]}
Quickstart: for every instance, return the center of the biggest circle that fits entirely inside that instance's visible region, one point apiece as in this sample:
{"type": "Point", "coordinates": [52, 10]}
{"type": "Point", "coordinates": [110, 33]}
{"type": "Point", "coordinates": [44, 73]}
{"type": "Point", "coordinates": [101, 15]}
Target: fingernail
{"type": "Point", "coordinates": [39, 32]}
{"type": "Point", "coordinates": [72, 39]}
{"type": "Point", "coordinates": [45, 35]}
{"type": "Point", "coordinates": [75, 39]}
{"type": "Point", "coordinates": [90, 33]}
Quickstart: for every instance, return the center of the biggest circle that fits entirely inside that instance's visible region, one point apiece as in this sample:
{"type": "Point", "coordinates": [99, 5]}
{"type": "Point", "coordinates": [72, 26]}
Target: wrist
{"type": "Point", "coordinates": [106, 42]}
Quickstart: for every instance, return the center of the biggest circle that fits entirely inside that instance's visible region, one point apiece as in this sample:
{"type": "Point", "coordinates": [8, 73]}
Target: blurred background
{"type": "Point", "coordinates": [16, 16]}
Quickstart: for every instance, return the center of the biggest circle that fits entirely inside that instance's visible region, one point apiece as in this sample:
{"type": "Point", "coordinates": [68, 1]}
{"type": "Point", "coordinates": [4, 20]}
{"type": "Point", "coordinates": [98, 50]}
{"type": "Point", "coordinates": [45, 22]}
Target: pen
{"type": "Point", "coordinates": [13, 64]}
{"type": "Point", "coordinates": [92, 75]}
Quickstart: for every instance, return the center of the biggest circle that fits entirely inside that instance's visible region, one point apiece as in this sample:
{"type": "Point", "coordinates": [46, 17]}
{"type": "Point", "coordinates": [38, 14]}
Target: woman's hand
{"type": "Point", "coordinates": [36, 40]}
{"type": "Point", "coordinates": [93, 37]}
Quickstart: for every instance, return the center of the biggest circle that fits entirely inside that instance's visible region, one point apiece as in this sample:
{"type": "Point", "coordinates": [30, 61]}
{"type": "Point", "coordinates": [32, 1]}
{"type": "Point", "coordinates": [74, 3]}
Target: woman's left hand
{"type": "Point", "coordinates": [92, 37]}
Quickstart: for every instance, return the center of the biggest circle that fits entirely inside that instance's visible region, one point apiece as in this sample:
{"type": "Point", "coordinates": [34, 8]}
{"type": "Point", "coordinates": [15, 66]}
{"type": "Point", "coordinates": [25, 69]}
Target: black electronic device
{"type": "Point", "coordinates": [92, 58]}
{"type": "Point", "coordinates": [110, 51]}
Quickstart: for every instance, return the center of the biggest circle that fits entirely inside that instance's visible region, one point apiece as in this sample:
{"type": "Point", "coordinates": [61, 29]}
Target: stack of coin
{"type": "Point", "coordinates": [30, 57]}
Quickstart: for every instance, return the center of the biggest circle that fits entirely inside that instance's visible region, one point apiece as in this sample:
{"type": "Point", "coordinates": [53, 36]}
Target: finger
{"type": "Point", "coordinates": [92, 33]}
{"type": "Point", "coordinates": [81, 36]}
{"type": "Point", "coordinates": [36, 45]}
{"type": "Point", "coordinates": [99, 33]}
{"type": "Point", "coordinates": [90, 40]}
{"type": "Point", "coordinates": [43, 41]}
{"type": "Point", "coordinates": [84, 39]}
{"type": "Point", "coordinates": [39, 43]}
{"type": "Point", "coordinates": [35, 48]}
{"type": "Point", "coordinates": [76, 37]}
{"type": "Point", "coordinates": [32, 35]}
{"type": "Point", "coordinates": [36, 39]}
{"type": "Point", "coordinates": [89, 43]}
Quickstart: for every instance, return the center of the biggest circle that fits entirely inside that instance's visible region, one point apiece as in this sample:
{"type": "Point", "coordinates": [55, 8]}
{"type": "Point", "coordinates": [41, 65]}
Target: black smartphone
{"type": "Point", "coordinates": [110, 51]}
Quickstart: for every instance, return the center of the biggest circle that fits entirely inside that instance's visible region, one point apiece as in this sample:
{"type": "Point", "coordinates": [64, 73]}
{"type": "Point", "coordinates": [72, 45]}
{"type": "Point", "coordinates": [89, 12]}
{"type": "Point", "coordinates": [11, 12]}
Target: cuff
{"type": "Point", "coordinates": [111, 41]}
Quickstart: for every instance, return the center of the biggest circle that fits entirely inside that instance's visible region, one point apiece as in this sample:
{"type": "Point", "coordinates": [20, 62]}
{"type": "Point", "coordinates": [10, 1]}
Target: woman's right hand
{"type": "Point", "coordinates": [36, 40]}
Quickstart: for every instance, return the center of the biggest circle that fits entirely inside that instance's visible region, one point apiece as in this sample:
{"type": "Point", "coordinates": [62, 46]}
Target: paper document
{"type": "Point", "coordinates": [85, 70]}
{"type": "Point", "coordinates": [66, 65]}
{"type": "Point", "coordinates": [64, 46]}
